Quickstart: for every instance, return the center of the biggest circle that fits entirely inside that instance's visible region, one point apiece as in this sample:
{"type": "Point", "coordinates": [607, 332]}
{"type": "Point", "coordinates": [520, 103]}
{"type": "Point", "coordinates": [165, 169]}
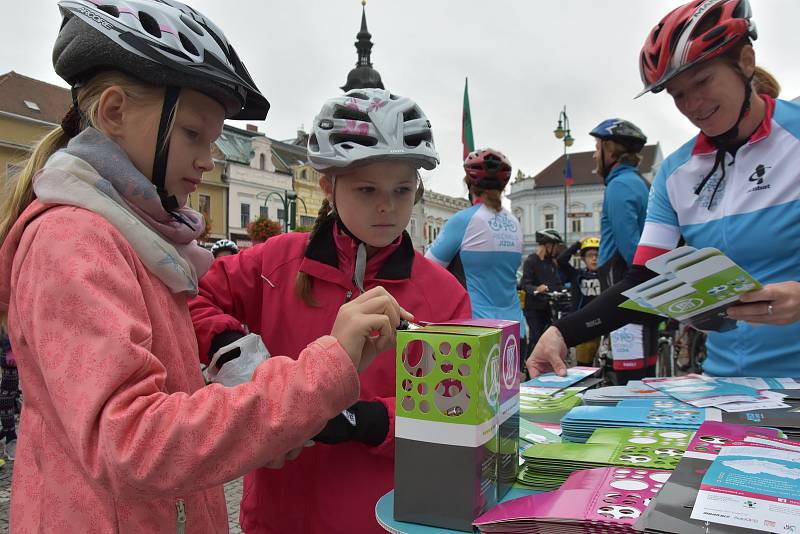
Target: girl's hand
{"type": "Point", "coordinates": [549, 354]}
{"type": "Point", "coordinates": [366, 326]}
{"type": "Point", "coordinates": [773, 304]}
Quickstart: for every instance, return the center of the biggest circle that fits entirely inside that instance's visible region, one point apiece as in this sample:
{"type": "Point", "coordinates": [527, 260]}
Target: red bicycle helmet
{"type": "Point", "coordinates": [691, 34]}
{"type": "Point", "coordinates": [488, 168]}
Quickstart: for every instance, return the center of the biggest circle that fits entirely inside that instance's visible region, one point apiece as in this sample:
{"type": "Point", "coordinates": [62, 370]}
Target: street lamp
{"type": "Point", "coordinates": [562, 132]}
{"type": "Point", "coordinates": [289, 201]}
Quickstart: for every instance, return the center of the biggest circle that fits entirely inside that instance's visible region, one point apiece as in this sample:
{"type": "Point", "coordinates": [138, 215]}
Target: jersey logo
{"type": "Point", "coordinates": [758, 177]}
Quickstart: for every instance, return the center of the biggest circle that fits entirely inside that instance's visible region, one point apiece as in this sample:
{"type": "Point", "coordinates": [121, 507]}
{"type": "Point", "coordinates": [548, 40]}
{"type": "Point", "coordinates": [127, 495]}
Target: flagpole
{"type": "Point", "coordinates": [566, 214]}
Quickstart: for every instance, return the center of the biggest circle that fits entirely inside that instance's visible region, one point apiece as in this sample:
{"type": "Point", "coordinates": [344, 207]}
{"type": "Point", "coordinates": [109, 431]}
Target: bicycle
{"type": "Point", "coordinates": [680, 348]}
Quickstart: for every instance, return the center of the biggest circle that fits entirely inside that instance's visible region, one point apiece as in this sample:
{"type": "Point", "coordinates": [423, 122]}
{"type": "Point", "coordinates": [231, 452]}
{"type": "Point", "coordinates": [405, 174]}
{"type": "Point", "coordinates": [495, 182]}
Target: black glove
{"type": "Point", "coordinates": [365, 421]}
{"type": "Point", "coordinates": [220, 340]}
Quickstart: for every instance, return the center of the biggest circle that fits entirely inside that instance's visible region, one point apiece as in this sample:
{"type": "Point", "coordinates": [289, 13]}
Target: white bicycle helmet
{"type": "Point", "coordinates": [163, 42]}
{"type": "Point", "coordinates": [224, 244]}
{"type": "Point", "coordinates": [367, 124]}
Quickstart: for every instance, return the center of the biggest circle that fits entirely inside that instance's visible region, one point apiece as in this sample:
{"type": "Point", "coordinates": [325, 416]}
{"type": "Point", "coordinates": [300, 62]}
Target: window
{"type": "Point", "coordinates": [576, 226]}
{"type": "Point", "coordinates": [204, 206]}
{"type": "Point", "coordinates": [13, 170]}
{"type": "Point", "coordinates": [262, 162]}
{"type": "Point", "coordinates": [263, 211]}
{"type": "Point", "coordinates": [549, 221]}
{"type": "Point", "coordinates": [412, 227]}
{"type": "Point", "coordinates": [245, 209]}
{"type": "Point", "coordinates": [281, 214]}
{"type": "Point", "coordinates": [307, 220]}
{"type": "Point", "coordinates": [32, 105]}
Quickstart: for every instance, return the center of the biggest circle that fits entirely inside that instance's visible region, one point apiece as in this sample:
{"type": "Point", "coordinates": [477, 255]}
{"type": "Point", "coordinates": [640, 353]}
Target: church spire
{"type": "Point", "coordinates": [363, 75]}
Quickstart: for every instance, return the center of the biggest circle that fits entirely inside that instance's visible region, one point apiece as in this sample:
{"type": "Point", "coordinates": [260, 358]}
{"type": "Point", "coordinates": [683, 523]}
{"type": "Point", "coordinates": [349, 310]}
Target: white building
{"type": "Point", "coordinates": [538, 201]}
{"type": "Point", "coordinates": [429, 216]}
{"type": "Point", "coordinates": [251, 177]}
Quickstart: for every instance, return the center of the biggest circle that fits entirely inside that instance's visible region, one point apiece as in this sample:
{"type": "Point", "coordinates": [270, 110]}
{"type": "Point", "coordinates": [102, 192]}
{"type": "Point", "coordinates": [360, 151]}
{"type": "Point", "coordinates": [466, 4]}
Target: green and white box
{"type": "Point", "coordinates": [446, 427]}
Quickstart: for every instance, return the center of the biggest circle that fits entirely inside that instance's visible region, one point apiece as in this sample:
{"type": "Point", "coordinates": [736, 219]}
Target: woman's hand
{"type": "Point", "coordinates": [773, 304]}
{"type": "Point", "coordinates": [366, 326]}
{"type": "Point", "coordinates": [549, 354]}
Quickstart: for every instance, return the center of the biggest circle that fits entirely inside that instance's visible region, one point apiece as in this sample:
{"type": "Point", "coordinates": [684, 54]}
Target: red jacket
{"type": "Point", "coordinates": [329, 488]}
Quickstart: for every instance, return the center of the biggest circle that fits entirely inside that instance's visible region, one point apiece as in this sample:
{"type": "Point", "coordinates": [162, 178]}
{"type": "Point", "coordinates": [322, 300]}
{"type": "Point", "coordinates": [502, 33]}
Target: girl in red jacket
{"type": "Point", "coordinates": [98, 261]}
{"type": "Point", "coordinates": [368, 144]}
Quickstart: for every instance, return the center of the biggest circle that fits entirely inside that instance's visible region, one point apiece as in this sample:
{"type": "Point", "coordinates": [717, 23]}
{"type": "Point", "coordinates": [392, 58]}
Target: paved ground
{"type": "Point", "coordinates": [233, 494]}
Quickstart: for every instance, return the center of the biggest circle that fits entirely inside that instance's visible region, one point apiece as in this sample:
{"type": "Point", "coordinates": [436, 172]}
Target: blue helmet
{"type": "Point", "coordinates": [621, 131]}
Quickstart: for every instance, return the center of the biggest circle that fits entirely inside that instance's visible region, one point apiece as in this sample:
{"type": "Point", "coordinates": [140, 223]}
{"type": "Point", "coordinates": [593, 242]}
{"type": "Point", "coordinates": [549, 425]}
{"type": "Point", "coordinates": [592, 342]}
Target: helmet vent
{"type": "Point", "coordinates": [192, 25]}
{"type": "Point", "coordinates": [149, 24]}
{"type": "Point", "coordinates": [713, 34]}
{"type": "Point", "coordinates": [111, 10]}
{"type": "Point", "coordinates": [187, 44]}
{"type": "Point", "coordinates": [657, 31]}
{"type": "Point", "coordinates": [675, 37]}
{"type": "Point", "coordinates": [414, 140]}
{"type": "Point", "coordinates": [411, 114]}
{"type": "Point", "coordinates": [363, 140]}
{"type": "Point", "coordinates": [709, 21]}
{"type": "Point", "coordinates": [313, 144]}
{"type": "Point", "coordinates": [394, 97]}
{"type": "Point", "coordinates": [352, 114]}
{"type": "Point", "coordinates": [360, 96]}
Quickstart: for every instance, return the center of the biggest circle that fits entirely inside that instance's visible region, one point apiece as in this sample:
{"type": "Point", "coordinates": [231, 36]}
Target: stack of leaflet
{"type": "Point", "coordinates": [607, 500]}
{"type": "Point", "coordinates": [727, 394]}
{"type": "Point", "coordinates": [580, 422]}
{"type": "Point", "coordinates": [611, 395]}
{"type": "Point", "coordinates": [670, 511]}
{"type": "Point", "coordinates": [753, 483]}
{"type": "Point", "coordinates": [531, 434]}
{"type": "Point", "coordinates": [549, 383]}
{"type": "Point", "coordinates": [546, 466]}
{"type": "Point", "coordinates": [548, 408]}
{"type": "Point", "coordinates": [786, 420]}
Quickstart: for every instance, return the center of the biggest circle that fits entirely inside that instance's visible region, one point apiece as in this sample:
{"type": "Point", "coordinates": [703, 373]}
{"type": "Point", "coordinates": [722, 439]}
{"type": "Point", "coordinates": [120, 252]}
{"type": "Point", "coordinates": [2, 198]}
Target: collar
{"type": "Point", "coordinates": [335, 249]}
{"type": "Point", "coordinates": [617, 169]}
{"type": "Point", "coordinates": [703, 144]}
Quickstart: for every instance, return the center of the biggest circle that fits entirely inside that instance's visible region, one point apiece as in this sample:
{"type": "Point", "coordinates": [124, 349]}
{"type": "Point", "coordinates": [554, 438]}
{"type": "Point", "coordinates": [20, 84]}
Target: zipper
{"type": "Point", "coordinates": [348, 295]}
{"type": "Point", "coordinates": [181, 516]}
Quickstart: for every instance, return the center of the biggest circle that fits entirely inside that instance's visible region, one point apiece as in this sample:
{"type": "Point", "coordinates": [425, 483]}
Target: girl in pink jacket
{"type": "Point", "coordinates": [369, 144]}
{"type": "Point", "coordinates": [97, 263]}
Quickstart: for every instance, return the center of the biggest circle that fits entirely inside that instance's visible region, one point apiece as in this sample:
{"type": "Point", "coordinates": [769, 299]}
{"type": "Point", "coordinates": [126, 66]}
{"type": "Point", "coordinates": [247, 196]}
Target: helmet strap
{"type": "Point", "coordinates": [169, 202]}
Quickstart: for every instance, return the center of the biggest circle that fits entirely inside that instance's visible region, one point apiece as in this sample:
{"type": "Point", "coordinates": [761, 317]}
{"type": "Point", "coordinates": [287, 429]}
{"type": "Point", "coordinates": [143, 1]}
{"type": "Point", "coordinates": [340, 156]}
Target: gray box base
{"type": "Point", "coordinates": [443, 485]}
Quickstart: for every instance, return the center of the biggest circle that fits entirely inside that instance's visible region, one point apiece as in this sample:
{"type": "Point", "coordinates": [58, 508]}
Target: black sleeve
{"type": "Point", "coordinates": [603, 314]}
{"type": "Point", "coordinates": [529, 282]}
{"type": "Point", "coordinates": [564, 262]}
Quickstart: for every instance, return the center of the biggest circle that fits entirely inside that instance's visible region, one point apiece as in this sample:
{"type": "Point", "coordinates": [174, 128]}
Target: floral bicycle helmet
{"type": "Point", "coordinates": [487, 168]}
{"type": "Point", "coordinates": [162, 42]}
{"type": "Point", "coordinates": [691, 34]}
{"type": "Point", "coordinates": [369, 124]}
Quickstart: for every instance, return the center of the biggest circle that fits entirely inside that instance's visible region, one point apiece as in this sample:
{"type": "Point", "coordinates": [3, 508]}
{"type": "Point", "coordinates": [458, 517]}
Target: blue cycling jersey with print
{"type": "Point", "coordinates": [624, 208]}
{"type": "Point", "coordinates": [754, 218]}
{"type": "Point", "coordinates": [489, 244]}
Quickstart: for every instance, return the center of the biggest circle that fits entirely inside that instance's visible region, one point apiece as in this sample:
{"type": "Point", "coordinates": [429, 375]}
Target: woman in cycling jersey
{"type": "Point", "coordinates": [735, 186]}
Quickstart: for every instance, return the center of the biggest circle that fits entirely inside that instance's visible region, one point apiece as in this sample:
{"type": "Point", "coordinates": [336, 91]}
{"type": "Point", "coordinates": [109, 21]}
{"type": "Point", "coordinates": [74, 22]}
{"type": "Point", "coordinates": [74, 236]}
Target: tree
{"type": "Point", "coordinates": [262, 229]}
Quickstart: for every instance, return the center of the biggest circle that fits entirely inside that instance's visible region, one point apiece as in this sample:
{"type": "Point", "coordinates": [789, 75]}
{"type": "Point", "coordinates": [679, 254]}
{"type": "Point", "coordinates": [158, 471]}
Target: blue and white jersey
{"type": "Point", "coordinates": [489, 245]}
{"type": "Point", "coordinates": [754, 219]}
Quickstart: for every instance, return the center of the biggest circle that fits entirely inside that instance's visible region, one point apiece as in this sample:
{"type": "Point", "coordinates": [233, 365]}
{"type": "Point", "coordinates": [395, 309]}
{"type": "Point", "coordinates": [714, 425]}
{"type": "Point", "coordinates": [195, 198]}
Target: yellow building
{"type": "Point", "coordinates": [211, 199]}
{"type": "Point", "coordinates": [291, 157]}
{"type": "Point", "coordinates": [29, 109]}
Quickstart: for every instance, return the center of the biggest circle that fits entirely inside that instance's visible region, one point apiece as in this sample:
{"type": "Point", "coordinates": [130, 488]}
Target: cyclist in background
{"type": "Point", "coordinates": [539, 276]}
{"type": "Point", "coordinates": [585, 286]}
{"type": "Point", "coordinates": [482, 245]}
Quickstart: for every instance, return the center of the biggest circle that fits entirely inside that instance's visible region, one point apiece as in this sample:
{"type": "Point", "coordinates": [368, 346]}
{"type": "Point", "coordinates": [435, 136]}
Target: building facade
{"type": "Point", "coordinates": [538, 201]}
{"type": "Point", "coordinates": [29, 110]}
{"type": "Point", "coordinates": [429, 215]}
{"type": "Point", "coordinates": [211, 199]}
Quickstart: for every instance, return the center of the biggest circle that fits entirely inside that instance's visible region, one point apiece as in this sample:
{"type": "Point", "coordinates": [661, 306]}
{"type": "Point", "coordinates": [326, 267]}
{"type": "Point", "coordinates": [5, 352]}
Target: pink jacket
{"type": "Point", "coordinates": [329, 488]}
{"type": "Point", "coordinates": [119, 433]}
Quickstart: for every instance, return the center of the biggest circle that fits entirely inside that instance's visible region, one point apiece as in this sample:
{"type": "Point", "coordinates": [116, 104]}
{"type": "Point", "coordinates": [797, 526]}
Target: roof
{"type": "Point", "coordinates": [286, 155]}
{"type": "Point", "coordinates": [583, 169]}
{"type": "Point", "coordinates": [52, 101]}
{"type": "Point", "coordinates": [236, 144]}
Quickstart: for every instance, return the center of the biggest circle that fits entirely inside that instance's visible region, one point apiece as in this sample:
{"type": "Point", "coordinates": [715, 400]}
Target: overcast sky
{"type": "Point", "coordinates": [525, 60]}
